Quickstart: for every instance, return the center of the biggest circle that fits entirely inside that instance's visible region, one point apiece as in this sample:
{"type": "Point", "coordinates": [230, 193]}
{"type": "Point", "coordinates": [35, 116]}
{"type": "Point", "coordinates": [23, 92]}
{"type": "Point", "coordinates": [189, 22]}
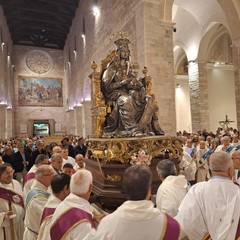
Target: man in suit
{"type": "Point", "coordinates": [36, 152]}
{"type": "Point", "coordinates": [21, 160]}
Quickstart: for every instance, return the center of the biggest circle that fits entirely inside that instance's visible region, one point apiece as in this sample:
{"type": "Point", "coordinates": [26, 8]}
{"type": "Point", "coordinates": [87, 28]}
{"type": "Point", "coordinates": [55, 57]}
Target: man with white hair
{"type": "Point", "coordinates": [210, 210]}
{"type": "Point", "coordinates": [75, 210]}
{"type": "Point", "coordinates": [226, 145]}
{"type": "Point", "coordinates": [56, 162]}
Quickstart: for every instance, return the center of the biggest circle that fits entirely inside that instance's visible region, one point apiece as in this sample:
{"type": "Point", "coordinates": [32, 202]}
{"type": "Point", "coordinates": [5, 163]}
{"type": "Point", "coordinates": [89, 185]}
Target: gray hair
{"type": "Point", "coordinates": [40, 159]}
{"type": "Point", "coordinates": [80, 182]}
{"type": "Point", "coordinates": [56, 156]}
{"type": "Point", "coordinates": [220, 162]}
{"type": "Point", "coordinates": [41, 169]}
{"type": "Point", "coordinates": [166, 168]}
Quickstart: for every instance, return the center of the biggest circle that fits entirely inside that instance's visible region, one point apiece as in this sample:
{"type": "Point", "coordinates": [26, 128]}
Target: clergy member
{"type": "Point", "coordinates": [211, 209]}
{"type": "Point", "coordinates": [29, 178]}
{"type": "Point", "coordinates": [236, 163]}
{"type": "Point", "coordinates": [172, 189]}
{"type": "Point", "coordinates": [11, 205]}
{"type": "Point", "coordinates": [60, 188]}
{"type": "Point", "coordinates": [137, 218]}
{"type": "Point", "coordinates": [75, 210]}
{"type": "Point", "coordinates": [36, 200]}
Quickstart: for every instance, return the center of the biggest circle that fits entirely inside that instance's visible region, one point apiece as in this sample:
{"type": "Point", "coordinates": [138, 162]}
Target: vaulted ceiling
{"type": "Point", "coordinates": [40, 23]}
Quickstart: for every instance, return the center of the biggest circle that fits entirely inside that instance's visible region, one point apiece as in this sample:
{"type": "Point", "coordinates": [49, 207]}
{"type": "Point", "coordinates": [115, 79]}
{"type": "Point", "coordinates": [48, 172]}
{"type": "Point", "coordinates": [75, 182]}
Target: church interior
{"type": "Point", "coordinates": [191, 50]}
{"type": "Point", "coordinates": [113, 111]}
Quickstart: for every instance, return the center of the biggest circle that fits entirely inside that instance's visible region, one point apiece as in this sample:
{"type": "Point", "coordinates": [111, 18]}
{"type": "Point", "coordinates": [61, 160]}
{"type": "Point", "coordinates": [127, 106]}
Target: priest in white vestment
{"type": "Point", "coordinates": [137, 218]}
{"type": "Point", "coordinates": [60, 189]}
{"type": "Point", "coordinates": [226, 145]}
{"type": "Point", "coordinates": [36, 200]}
{"type": "Point", "coordinates": [30, 177]}
{"type": "Point", "coordinates": [172, 189]}
{"type": "Point", "coordinates": [75, 210]}
{"type": "Point", "coordinates": [11, 222]}
{"type": "Point", "coordinates": [202, 155]}
{"type": "Point", "coordinates": [236, 162]}
{"type": "Point", "coordinates": [211, 209]}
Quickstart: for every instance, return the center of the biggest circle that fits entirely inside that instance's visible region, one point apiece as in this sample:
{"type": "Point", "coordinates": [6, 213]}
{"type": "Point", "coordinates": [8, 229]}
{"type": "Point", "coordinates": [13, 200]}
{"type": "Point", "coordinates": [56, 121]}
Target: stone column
{"type": "Point", "coordinates": [194, 95]}
{"type": "Point", "coordinates": [155, 50]}
{"type": "Point", "coordinates": [79, 120]}
{"type": "Point", "coordinates": [86, 120]}
{"type": "Point", "coordinates": [9, 122]}
{"type": "Point", "coordinates": [203, 101]}
{"type": "Point", "coordinates": [71, 125]}
{"type": "Point", "coordinates": [236, 65]}
{"type": "Point", "coordinates": [3, 121]}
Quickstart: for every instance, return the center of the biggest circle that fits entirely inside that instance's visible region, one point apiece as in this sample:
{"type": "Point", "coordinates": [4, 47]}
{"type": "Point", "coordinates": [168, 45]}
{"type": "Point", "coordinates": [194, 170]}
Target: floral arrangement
{"type": "Point", "coordinates": [141, 158]}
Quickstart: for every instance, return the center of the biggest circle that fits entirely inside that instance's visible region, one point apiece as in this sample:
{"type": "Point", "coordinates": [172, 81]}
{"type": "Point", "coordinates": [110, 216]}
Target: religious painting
{"type": "Point", "coordinates": [40, 91]}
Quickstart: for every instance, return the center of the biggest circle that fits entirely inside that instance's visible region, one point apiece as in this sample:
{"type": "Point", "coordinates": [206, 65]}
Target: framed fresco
{"type": "Point", "coordinates": [40, 91]}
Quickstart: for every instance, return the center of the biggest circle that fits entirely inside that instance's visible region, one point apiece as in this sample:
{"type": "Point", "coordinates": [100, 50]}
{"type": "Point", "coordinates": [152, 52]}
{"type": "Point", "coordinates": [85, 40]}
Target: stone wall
{"type": "Point", "coordinates": [151, 45]}
{"type": "Point", "coordinates": [24, 113]}
{"type": "Point", "coordinates": [6, 80]}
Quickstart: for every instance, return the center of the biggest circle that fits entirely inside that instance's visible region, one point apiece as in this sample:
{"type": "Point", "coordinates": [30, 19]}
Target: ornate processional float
{"type": "Point", "coordinates": [125, 128]}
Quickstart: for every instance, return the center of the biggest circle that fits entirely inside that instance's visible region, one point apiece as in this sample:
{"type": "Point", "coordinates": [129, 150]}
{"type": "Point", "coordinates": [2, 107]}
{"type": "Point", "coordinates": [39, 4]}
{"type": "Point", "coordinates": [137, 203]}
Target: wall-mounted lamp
{"type": "Point", "coordinates": [83, 28]}
{"type": "Point", "coordinates": [95, 8]}
{"type": "Point", "coordinates": [178, 85]}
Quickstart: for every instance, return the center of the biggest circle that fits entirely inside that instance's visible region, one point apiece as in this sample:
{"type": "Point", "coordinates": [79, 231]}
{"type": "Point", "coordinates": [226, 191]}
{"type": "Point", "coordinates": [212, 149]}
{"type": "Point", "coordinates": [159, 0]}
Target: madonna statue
{"type": "Point", "coordinates": [133, 112]}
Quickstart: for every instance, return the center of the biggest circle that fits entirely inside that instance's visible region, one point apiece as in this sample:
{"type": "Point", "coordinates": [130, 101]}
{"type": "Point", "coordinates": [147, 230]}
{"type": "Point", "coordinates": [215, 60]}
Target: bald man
{"type": "Point", "coordinates": [211, 209]}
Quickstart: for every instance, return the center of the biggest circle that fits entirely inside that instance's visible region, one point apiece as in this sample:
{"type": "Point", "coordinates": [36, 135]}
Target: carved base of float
{"type": "Point", "coordinates": [108, 159]}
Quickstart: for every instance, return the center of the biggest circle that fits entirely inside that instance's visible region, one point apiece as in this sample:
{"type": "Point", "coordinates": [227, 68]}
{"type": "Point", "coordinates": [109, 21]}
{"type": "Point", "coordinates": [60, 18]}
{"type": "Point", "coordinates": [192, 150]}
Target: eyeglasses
{"type": "Point", "coordinates": [9, 172]}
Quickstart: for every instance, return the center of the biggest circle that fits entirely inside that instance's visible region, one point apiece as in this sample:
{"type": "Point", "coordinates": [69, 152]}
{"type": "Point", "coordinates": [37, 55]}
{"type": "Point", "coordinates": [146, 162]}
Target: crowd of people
{"type": "Point", "coordinates": [45, 192]}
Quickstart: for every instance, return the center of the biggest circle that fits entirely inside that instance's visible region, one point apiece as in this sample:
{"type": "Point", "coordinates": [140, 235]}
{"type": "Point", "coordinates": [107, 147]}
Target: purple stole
{"type": "Point", "coordinates": [171, 229]}
{"type": "Point", "coordinates": [74, 216]}
{"type": "Point", "coordinates": [47, 212]}
{"type": "Point", "coordinates": [11, 196]}
{"type": "Point", "coordinates": [237, 237]}
{"type": "Point", "coordinates": [29, 176]}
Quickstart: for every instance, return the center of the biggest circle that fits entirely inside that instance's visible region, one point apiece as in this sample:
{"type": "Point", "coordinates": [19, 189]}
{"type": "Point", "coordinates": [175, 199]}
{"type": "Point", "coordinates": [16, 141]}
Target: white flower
{"type": "Point", "coordinates": [141, 158]}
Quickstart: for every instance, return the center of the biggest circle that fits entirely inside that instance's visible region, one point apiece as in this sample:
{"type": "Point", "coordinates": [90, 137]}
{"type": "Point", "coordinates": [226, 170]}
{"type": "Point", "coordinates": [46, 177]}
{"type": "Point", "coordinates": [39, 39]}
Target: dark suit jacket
{"type": "Point", "coordinates": [8, 159]}
{"type": "Point", "coordinates": [18, 161]}
{"type": "Point", "coordinates": [33, 157]}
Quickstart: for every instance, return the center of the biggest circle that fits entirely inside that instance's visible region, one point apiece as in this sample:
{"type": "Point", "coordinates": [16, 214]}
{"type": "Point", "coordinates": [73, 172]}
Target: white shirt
{"type": "Point", "coordinates": [211, 207]}
{"type": "Point", "coordinates": [171, 193]}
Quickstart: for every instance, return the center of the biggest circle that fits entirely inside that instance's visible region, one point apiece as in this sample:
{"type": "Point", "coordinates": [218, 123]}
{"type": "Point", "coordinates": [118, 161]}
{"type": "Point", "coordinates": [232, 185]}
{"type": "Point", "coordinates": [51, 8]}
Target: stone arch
{"type": "Point", "coordinates": [182, 93]}
{"type": "Point", "coordinates": [231, 9]}
{"type": "Point", "coordinates": [216, 74]}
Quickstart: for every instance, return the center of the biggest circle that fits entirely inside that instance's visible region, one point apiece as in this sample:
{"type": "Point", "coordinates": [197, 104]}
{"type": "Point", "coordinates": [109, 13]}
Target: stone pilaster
{"type": "Point", "coordinates": [3, 121]}
{"type": "Point", "coordinates": [203, 103]}
{"type": "Point", "coordinates": [9, 122]}
{"type": "Point", "coordinates": [70, 122]}
{"type": "Point", "coordinates": [155, 50]}
{"type": "Point", "coordinates": [79, 120]}
{"type": "Point", "coordinates": [194, 95]}
{"type": "Point", "coordinates": [86, 120]}
{"type": "Point", "coordinates": [236, 65]}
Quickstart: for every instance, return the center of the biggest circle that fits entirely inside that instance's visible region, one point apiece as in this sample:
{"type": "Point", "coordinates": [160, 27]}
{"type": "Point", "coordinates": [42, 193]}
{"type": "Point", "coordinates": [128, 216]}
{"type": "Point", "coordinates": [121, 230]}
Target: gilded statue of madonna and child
{"type": "Point", "coordinates": [133, 111]}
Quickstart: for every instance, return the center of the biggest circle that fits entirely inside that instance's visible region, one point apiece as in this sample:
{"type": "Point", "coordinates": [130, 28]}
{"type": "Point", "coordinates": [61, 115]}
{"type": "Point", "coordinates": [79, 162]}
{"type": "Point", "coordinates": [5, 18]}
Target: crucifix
{"type": "Point", "coordinates": [224, 124]}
